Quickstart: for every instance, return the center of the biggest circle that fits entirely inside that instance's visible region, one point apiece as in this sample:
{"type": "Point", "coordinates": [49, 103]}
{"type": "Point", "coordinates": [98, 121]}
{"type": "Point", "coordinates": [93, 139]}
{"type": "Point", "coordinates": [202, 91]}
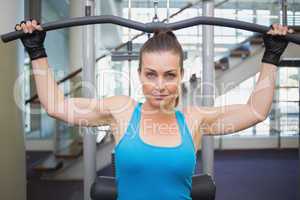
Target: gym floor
{"type": "Point", "coordinates": [239, 174]}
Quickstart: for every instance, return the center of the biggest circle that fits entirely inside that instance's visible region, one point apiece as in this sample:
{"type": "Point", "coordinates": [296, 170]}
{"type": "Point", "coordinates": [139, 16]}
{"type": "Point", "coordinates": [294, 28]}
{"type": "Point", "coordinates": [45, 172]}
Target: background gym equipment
{"type": "Point", "coordinates": [294, 62]}
{"type": "Point", "coordinates": [203, 188]}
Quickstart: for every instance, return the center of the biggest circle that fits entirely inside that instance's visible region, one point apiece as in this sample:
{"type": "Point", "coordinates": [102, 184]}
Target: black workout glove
{"type": "Point", "coordinates": [274, 47]}
{"type": "Point", "coordinates": [34, 43]}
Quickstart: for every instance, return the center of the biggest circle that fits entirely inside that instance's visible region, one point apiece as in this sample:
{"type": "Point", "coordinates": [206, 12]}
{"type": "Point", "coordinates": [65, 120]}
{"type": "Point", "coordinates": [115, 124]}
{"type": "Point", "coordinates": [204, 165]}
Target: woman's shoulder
{"type": "Point", "coordinates": [122, 116]}
{"type": "Point", "coordinates": [124, 106]}
{"type": "Point", "coordinates": [193, 117]}
{"type": "Point", "coordinates": [192, 113]}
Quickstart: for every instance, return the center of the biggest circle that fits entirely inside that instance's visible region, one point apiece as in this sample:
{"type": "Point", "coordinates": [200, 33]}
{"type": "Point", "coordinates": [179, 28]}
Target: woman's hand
{"type": "Point", "coordinates": [275, 43]}
{"type": "Point", "coordinates": [34, 39]}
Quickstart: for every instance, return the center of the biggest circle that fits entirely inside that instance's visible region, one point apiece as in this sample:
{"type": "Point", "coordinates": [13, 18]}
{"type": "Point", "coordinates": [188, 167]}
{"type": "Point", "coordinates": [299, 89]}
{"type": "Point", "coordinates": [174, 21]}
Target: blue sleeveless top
{"type": "Point", "coordinates": [148, 172]}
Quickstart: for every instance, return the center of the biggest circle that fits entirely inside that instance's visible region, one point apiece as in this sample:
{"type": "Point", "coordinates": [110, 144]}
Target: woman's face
{"type": "Point", "coordinates": [160, 77]}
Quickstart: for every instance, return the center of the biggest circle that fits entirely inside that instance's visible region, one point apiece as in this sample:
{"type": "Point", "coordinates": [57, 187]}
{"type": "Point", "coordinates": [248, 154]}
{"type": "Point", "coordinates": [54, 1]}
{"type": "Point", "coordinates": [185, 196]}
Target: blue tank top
{"type": "Point", "coordinates": [148, 172]}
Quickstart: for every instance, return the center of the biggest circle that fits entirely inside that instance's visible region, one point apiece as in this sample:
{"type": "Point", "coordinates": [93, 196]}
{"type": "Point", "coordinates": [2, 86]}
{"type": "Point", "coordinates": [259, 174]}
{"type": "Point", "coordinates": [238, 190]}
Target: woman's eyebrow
{"type": "Point", "coordinates": [150, 69]}
{"type": "Point", "coordinates": [173, 70]}
{"type": "Point", "coordinates": [164, 72]}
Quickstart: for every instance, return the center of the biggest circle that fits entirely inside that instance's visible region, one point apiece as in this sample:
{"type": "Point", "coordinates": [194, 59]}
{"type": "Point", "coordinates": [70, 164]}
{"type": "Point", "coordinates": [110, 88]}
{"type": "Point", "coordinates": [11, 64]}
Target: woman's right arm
{"type": "Point", "coordinates": [77, 111]}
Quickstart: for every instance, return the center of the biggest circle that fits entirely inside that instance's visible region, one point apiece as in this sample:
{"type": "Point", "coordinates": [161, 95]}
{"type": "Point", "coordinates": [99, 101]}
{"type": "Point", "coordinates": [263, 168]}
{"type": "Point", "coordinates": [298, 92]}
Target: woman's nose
{"type": "Point", "coordinates": [160, 84]}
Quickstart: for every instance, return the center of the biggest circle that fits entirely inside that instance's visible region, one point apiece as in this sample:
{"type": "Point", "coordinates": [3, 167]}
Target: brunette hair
{"type": "Point", "coordinates": [162, 40]}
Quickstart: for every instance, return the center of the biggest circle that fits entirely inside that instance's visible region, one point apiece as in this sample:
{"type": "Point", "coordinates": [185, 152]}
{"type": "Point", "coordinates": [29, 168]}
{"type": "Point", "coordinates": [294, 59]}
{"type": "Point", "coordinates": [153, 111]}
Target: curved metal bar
{"type": "Point", "coordinates": [150, 27]}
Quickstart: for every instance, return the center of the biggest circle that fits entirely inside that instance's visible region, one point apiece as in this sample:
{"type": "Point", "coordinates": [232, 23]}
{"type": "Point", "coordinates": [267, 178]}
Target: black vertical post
{"type": "Point", "coordinates": [33, 9]}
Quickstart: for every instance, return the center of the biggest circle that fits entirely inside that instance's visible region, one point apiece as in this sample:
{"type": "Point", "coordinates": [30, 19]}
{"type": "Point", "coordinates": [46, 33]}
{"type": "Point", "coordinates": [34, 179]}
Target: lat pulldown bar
{"type": "Point", "coordinates": [150, 27]}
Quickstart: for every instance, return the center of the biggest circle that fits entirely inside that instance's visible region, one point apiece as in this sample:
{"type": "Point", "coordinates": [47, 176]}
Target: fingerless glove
{"type": "Point", "coordinates": [34, 43]}
{"type": "Point", "coordinates": [274, 47]}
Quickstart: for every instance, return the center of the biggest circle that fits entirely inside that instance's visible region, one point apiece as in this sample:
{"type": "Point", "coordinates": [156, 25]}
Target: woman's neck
{"type": "Point", "coordinates": [162, 111]}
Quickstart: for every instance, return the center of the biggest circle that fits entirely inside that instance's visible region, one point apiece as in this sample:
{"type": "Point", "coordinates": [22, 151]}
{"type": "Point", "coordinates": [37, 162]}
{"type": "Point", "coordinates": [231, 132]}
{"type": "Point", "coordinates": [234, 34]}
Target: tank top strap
{"type": "Point", "coordinates": [132, 127]}
{"type": "Point", "coordinates": [183, 127]}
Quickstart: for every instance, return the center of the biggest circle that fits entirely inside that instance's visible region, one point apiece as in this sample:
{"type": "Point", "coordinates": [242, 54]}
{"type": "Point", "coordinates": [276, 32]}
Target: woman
{"type": "Point", "coordinates": [156, 143]}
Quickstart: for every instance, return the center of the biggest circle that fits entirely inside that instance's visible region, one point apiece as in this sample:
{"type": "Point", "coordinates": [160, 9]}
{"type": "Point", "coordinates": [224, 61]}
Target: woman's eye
{"type": "Point", "coordinates": [150, 75]}
{"type": "Point", "coordinates": [171, 76]}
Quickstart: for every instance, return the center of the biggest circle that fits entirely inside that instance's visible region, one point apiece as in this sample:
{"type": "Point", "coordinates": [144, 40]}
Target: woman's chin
{"type": "Point", "coordinates": [158, 102]}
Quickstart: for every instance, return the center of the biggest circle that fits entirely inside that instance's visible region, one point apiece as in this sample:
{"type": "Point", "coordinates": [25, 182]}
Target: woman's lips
{"type": "Point", "coordinates": [159, 97]}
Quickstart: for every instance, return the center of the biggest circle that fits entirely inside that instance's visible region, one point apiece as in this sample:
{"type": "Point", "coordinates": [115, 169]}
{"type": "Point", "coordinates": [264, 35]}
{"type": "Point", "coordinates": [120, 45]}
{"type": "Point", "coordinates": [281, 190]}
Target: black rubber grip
{"type": "Point", "coordinates": [105, 188]}
{"type": "Point", "coordinates": [150, 27]}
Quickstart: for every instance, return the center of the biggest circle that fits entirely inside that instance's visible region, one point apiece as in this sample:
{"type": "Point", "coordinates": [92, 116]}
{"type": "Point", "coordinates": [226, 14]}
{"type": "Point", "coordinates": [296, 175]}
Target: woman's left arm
{"type": "Point", "coordinates": [232, 118]}
{"type": "Point", "coordinates": [228, 119]}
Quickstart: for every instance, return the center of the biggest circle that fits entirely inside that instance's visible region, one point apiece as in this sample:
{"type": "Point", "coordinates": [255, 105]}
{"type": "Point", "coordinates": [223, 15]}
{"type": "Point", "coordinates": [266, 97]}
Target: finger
{"type": "Point", "coordinates": [277, 30]}
{"type": "Point", "coordinates": [29, 26]}
{"type": "Point", "coordinates": [36, 25]}
{"type": "Point", "coordinates": [274, 26]}
{"type": "Point", "coordinates": [270, 32]}
{"type": "Point", "coordinates": [285, 30]}
{"type": "Point", "coordinates": [273, 32]}
{"type": "Point", "coordinates": [282, 30]}
{"type": "Point", "coordinates": [18, 27]}
{"type": "Point", "coordinates": [24, 28]}
{"type": "Point", "coordinates": [39, 27]}
{"type": "Point", "coordinates": [291, 30]}
{"type": "Point", "coordinates": [273, 29]}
